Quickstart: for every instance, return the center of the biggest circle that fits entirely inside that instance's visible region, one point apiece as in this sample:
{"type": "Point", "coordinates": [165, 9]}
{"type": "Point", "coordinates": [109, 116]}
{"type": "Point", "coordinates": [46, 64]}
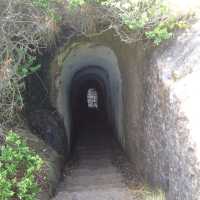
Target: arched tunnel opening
{"type": "Point", "coordinates": [96, 69]}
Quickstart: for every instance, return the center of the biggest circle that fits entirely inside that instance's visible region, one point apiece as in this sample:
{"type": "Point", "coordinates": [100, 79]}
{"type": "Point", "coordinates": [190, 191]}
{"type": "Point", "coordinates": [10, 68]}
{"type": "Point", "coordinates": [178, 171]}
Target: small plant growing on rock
{"type": "Point", "coordinates": [149, 194]}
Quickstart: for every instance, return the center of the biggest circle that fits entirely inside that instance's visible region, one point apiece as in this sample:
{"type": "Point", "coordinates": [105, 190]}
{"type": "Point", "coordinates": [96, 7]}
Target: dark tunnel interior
{"type": "Point", "coordinates": [89, 108]}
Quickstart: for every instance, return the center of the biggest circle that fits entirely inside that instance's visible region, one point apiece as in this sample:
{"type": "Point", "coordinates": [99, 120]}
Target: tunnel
{"type": "Point", "coordinates": [92, 70]}
{"type": "Point", "coordinates": [90, 103]}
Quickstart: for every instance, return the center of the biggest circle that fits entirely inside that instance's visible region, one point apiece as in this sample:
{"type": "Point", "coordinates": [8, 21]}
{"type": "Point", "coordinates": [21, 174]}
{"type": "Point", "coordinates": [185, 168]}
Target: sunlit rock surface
{"type": "Point", "coordinates": [172, 116]}
{"type": "Point", "coordinates": [184, 6]}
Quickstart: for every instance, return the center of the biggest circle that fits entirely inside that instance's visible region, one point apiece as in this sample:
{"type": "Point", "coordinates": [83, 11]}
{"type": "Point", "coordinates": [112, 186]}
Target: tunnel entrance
{"type": "Point", "coordinates": [90, 100]}
{"type": "Point", "coordinates": [96, 66]}
{"type": "Point", "coordinates": [89, 106]}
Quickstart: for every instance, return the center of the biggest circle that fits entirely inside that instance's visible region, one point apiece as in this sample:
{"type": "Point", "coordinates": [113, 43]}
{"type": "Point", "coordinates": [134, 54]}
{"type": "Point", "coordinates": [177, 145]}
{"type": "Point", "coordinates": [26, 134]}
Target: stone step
{"type": "Point", "coordinates": [75, 188]}
{"type": "Point", "coordinates": [97, 194]}
{"type": "Point", "coordinates": [99, 179]}
{"type": "Point", "coordinates": [93, 172]}
{"type": "Point", "coordinates": [93, 149]}
{"type": "Point", "coordinates": [95, 153]}
{"type": "Point", "coordinates": [95, 160]}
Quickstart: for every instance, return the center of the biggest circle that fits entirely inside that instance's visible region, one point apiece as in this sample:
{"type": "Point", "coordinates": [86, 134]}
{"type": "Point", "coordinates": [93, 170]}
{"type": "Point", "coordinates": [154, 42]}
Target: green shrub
{"type": "Point", "coordinates": [159, 34]}
{"type": "Point", "coordinates": [19, 169]}
{"type": "Point", "coordinates": [152, 18]}
{"type": "Point", "coordinates": [43, 4]}
{"type": "Point", "coordinates": [75, 3]}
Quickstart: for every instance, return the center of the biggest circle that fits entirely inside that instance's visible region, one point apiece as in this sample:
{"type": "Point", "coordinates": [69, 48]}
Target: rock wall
{"type": "Point", "coordinates": [54, 162]}
{"type": "Point", "coordinates": [171, 130]}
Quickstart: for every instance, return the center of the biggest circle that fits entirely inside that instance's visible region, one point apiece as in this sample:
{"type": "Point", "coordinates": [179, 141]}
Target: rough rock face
{"type": "Point", "coordinates": [53, 160]}
{"type": "Point", "coordinates": [171, 117]}
{"type": "Point", "coordinates": [47, 125]}
{"type": "Point", "coordinates": [2, 138]}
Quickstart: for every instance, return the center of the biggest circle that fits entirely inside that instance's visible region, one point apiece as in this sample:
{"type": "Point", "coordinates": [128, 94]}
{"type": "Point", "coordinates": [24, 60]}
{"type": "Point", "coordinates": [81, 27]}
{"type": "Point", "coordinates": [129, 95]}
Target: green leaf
{"type": "Point", "coordinates": [35, 68]}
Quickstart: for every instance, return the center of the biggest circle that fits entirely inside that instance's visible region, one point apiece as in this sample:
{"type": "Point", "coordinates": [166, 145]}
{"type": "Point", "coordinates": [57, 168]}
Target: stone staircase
{"type": "Point", "coordinates": [93, 174]}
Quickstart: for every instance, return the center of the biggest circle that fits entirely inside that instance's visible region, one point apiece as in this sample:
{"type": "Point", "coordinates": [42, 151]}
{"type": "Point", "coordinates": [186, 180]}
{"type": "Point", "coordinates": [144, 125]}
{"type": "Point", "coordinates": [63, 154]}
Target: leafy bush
{"type": "Point", "coordinates": [75, 3]}
{"type": "Point", "coordinates": [19, 169]}
{"type": "Point", "coordinates": [159, 34]}
{"type": "Point", "coordinates": [43, 4]}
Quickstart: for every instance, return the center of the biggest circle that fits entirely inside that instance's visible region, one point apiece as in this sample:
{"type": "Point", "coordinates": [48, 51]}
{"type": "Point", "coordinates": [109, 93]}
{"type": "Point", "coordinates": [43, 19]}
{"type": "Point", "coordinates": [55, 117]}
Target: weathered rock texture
{"type": "Point", "coordinates": [159, 109]}
{"type": "Point", "coordinates": [47, 125]}
{"type": "Point", "coordinates": [52, 159]}
{"type": "Point", "coordinates": [171, 125]}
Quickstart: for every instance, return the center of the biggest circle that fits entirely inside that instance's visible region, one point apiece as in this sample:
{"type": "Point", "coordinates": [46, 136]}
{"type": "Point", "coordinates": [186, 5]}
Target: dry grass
{"type": "Point", "coordinates": [154, 195]}
{"type": "Point", "coordinates": [144, 192]}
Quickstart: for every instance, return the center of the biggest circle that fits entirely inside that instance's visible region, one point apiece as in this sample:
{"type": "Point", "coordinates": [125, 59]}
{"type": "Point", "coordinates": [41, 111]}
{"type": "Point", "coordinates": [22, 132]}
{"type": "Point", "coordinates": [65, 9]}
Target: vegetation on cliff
{"type": "Point", "coordinates": [21, 175]}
